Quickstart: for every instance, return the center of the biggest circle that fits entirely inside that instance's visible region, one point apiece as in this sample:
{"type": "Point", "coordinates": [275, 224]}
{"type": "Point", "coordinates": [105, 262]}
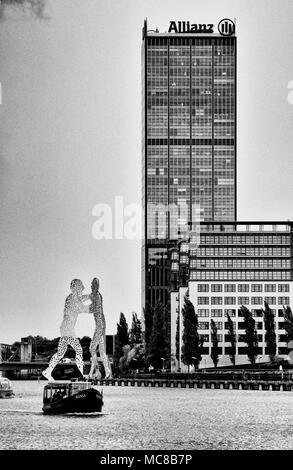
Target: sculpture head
{"type": "Point", "coordinates": [76, 286]}
{"type": "Point", "coordinates": [95, 285]}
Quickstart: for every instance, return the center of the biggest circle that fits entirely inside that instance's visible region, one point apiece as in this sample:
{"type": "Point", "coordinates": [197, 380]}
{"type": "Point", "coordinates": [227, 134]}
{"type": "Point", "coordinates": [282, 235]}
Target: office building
{"type": "Point", "coordinates": [188, 144]}
{"type": "Point", "coordinates": [233, 264]}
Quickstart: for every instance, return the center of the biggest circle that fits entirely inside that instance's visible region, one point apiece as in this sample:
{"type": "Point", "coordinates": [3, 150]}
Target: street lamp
{"type": "Point", "coordinates": [151, 368]}
{"type": "Point", "coordinates": [136, 367]}
{"type": "Point", "coordinates": [163, 359]}
{"type": "Point", "coordinates": [193, 364]}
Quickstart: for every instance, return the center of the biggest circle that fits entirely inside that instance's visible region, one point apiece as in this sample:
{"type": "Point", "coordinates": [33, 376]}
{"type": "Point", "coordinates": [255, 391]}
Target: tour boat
{"type": "Point", "coordinates": [71, 397]}
{"type": "Point", "coordinates": [5, 388]}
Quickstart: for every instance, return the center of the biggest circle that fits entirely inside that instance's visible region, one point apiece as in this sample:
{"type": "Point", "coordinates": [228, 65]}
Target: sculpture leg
{"type": "Point", "coordinates": [106, 362]}
{"type": "Point", "coordinates": [62, 348]}
{"type": "Point", "coordinates": [95, 371]}
{"type": "Point", "coordinates": [91, 374]}
{"type": "Point", "coordinates": [94, 358]}
{"type": "Point", "coordinates": [78, 354]}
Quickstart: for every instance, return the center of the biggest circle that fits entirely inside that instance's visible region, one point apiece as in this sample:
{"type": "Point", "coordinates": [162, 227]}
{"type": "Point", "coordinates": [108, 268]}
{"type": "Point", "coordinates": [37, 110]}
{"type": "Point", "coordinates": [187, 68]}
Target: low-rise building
{"type": "Point", "coordinates": [225, 266]}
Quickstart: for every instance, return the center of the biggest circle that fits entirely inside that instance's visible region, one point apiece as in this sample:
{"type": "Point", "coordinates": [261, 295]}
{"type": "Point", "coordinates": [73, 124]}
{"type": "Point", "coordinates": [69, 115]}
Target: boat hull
{"type": "Point", "coordinates": [6, 394]}
{"type": "Point", "coordinates": [85, 401]}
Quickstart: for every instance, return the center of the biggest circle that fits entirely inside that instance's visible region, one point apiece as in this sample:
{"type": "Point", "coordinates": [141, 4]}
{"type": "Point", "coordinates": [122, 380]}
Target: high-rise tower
{"type": "Point", "coordinates": [189, 140]}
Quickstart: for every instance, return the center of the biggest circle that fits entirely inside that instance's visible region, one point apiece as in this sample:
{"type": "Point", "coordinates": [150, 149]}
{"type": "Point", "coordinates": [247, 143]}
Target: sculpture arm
{"type": "Point", "coordinates": [85, 308]}
{"type": "Point", "coordinates": [86, 297]}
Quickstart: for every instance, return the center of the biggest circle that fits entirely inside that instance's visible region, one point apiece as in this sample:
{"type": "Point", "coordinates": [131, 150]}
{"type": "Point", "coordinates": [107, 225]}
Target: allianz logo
{"type": "Point", "coordinates": [226, 27]}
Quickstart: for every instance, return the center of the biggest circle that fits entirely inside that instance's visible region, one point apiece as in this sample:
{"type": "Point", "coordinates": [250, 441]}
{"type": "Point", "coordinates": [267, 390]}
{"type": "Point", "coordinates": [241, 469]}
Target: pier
{"type": "Point", "coordinates": [270, 380]}
{"type": "Point", "coordinates": [286, 386]}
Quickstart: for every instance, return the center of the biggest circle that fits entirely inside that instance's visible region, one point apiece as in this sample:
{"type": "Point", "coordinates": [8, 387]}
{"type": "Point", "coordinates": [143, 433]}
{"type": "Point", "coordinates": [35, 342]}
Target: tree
{"type": "Point", "coordinates": [158, 343]}
{"type": "Point", "coordinates": [288, 323]}
{"type": "Point", "coordinates": [232, 337]}
{"type": "Point", "coordinates": [215, 343]}
{"type": "Point", "coordinates": [250, 336]}
{"type": "Point", "coordinates": [270, 334]}
{"type": "Point", "coordinates": [44, 348]}
{"type": "Point", "coordinates": [148, 314]}
{"type": "Point", "coordinates": [192, 341]}
{"type": "Point", "coordinates": [135, 332]}
{"type": "Point", "coordinates": [135, 357]}
{"type": "Point", "coordinates": [121, 339]}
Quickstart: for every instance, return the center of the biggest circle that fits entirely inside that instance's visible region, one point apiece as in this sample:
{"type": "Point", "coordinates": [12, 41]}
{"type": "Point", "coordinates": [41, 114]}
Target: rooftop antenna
{"type": "Point", "coordinates": [144, 29]}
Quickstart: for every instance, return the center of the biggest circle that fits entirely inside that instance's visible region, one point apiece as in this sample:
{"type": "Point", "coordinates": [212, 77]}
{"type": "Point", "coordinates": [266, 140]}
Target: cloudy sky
{"type": "Point", "coordinates": [70, 138]}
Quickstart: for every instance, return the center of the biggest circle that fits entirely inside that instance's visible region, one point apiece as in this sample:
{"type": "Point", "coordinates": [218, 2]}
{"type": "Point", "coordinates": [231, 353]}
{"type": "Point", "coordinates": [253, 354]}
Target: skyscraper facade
{"type": "Point", "coordinates": [232, 265]}
{"type": "Point", "coordinates": [188, 145]}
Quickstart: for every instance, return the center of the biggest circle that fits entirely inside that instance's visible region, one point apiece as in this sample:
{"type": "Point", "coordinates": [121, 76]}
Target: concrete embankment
{"type": "Point", "coordinates": [201, 384]}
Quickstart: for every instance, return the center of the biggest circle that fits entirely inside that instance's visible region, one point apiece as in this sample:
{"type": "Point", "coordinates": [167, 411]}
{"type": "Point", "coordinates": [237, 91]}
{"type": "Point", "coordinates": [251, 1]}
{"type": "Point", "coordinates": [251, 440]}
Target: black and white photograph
{"type": "Point", "coordinates": [146, 229]}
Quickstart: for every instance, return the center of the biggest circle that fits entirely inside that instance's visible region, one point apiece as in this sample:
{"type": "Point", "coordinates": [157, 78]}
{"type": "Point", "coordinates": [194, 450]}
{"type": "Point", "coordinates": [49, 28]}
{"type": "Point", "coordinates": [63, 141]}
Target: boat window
{"type": "Point", "coordinates": [47, 394]}
{"type": "Point", "coordinates": [59, 394]}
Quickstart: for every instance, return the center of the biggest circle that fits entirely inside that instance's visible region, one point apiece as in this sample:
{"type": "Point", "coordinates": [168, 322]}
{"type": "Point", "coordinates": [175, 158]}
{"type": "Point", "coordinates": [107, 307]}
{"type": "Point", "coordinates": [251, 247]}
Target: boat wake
{"type": "Point", "coordinates": [80, 415]}
{"type": "Point", "coordinates": [22, 412]}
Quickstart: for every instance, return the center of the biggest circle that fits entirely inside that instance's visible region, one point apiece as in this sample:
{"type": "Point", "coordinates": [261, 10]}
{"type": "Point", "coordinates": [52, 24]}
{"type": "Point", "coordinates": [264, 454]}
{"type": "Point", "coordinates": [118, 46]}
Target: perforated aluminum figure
{"type": "Point", "coordinates": [99, 337]}
{"type": "Point", "coordinates": [73, 307]}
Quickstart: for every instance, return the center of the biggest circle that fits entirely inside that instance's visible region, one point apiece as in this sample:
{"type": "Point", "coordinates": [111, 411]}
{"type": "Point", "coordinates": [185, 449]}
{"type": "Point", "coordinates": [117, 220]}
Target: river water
{"type": "Point", "coordinates": [152, 418]}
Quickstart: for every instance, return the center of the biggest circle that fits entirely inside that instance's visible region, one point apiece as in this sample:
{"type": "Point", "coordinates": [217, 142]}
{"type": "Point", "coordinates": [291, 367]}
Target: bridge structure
{"type": "Point", "coordinates": [18, 365]}
{"type": "Point", "coordinates": [5, 351]}
{"type": "Point", "coordinates": [21, 360]}
{"type": "Point", "coordinates": [32, 365]}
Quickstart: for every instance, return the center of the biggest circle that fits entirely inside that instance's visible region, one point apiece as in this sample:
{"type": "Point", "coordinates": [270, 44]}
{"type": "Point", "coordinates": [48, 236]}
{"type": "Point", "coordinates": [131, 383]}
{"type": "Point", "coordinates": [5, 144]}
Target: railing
{"type": "Point", "coordinates": [265, 375]}
{"type": "Point", "coordinates": [208, 381]}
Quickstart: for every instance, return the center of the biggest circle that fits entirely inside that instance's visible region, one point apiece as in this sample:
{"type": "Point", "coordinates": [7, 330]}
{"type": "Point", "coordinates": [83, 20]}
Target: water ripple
{"type": "Point", "coordinates": [152, 418]}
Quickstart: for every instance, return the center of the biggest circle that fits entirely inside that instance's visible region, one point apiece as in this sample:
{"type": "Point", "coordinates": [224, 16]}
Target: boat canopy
{"type": "Point", "coordinates": [59, 390]}
{"type": "Point", "coordinates": [69, 385]}
{"type": "Point", "coordinates": [58, 385]}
